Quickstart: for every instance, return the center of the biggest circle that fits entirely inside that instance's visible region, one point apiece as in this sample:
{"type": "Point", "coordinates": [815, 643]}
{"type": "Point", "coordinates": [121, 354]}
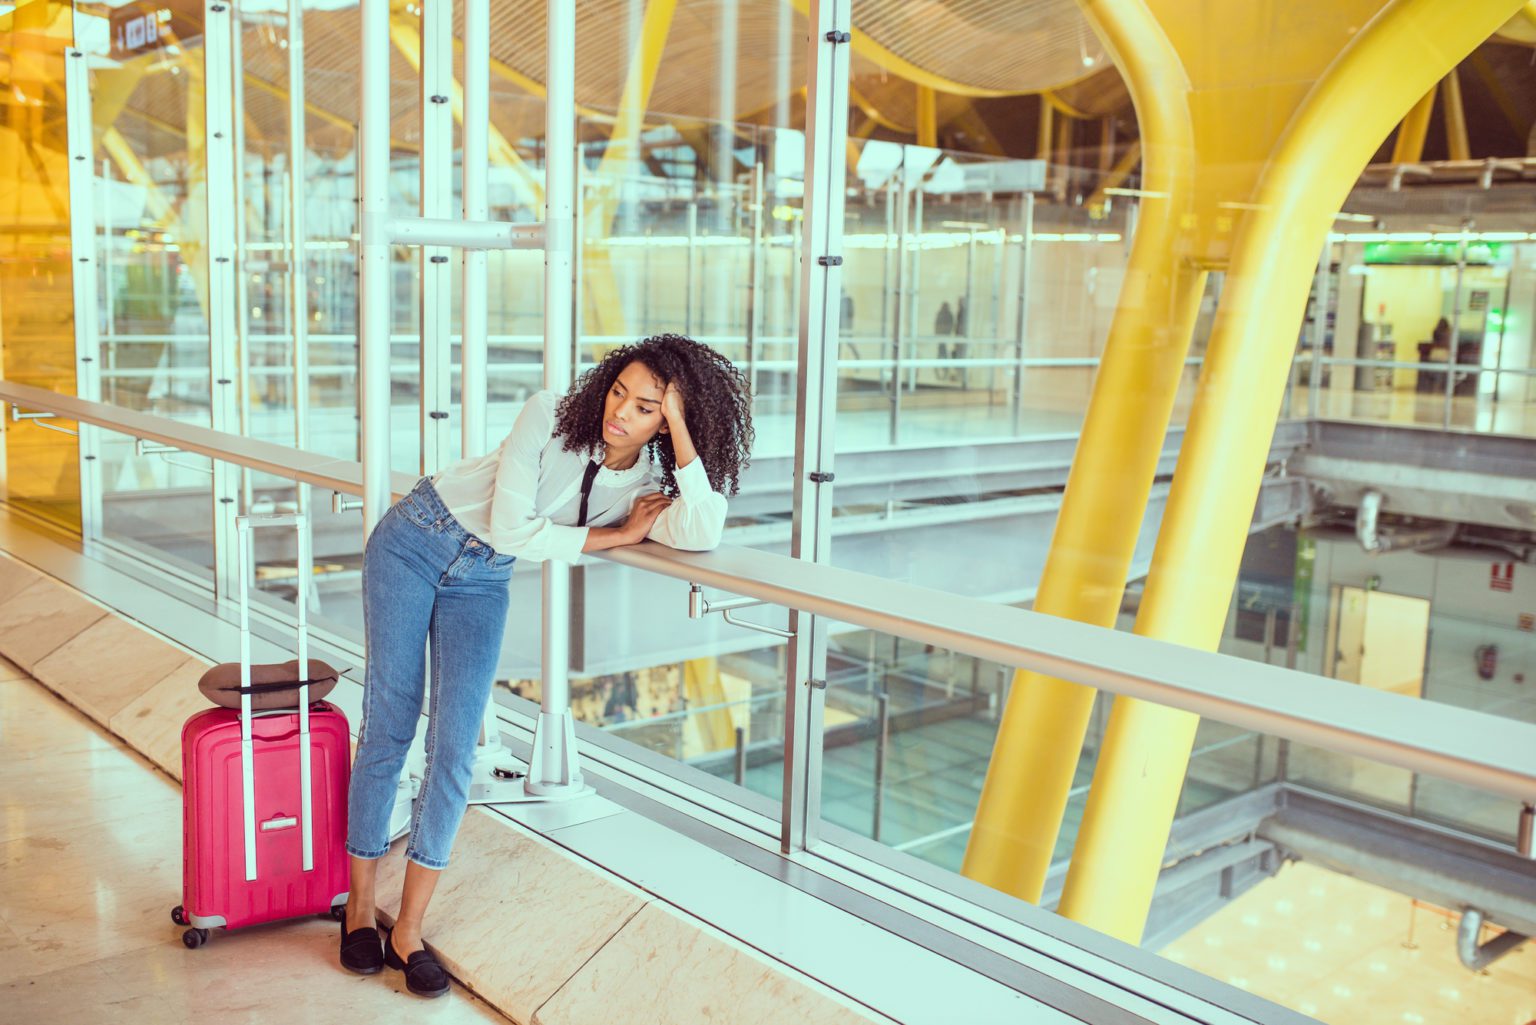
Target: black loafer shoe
{"type": "Point", "coordinates": [361, 951]}
{"type": "Point", "coordinates": [424, 974]}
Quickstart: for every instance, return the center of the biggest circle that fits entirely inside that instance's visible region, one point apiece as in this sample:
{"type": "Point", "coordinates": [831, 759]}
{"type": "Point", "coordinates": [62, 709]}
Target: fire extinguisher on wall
{"type": "Point", "coordinates": [1487, 660]}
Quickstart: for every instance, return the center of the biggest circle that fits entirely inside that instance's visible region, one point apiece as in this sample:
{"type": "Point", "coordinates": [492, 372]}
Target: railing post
{"type": "Point", "coordinates": [821, 276]}
{"type": "Point", "coordinates": [374, 263]}
{"type": "Point", "coordinates": [82, 232]}
{"type": "Point", "coordinates": [223, 340]}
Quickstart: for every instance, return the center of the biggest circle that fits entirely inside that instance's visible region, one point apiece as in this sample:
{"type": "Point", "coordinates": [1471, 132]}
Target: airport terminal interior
{"type": "Point", "coordinates": [1128, 612]}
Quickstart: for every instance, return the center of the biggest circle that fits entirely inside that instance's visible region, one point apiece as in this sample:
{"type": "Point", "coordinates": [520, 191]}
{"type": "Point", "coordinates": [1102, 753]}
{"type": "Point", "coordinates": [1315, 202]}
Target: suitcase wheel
{"type": "Point", "coordinates": [194, 938]}
{"type": "Point", "coordinates": [179, 915]}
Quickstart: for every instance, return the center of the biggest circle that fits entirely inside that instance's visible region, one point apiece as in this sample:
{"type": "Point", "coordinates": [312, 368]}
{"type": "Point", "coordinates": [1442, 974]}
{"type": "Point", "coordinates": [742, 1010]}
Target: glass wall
{"type": "Point", "coordinates": [1427, 326]}
{"type": "Point", "coordinates": [977, 295]}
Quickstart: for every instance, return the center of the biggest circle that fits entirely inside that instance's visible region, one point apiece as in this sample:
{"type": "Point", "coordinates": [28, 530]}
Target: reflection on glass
{"type": "Point", "coordinates": [157, 503]}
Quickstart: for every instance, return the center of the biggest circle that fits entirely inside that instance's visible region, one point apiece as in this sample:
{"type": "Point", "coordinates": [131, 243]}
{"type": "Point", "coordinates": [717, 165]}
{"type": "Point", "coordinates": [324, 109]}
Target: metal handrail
{"type": "Point", "coordinates": [1464, 746]}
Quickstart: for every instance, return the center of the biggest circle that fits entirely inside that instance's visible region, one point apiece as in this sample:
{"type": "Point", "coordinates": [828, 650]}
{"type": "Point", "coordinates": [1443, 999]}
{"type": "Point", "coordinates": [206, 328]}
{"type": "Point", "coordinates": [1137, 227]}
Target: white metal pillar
{"type": "Point", "coordinates": [82, 231]}
{"type": "Point", "coordinates": [241, 279]}
{"type": "Point", "coordinates": [826, 138]}
{"type": "Point", "coordinates": [436, 202]}
{"type": "Point", "coordinates": [474, 385]}
{"type": "Point", "coordinates": [1021, 319]}
{"type": "Point", "coordinates": [554, 770]}
{"type": "Point", "coordinates": [298, 251]}
{"type": "Point", "coordinates": [374, 263]}
{"type": "Point", "coordinates": [223, 293]}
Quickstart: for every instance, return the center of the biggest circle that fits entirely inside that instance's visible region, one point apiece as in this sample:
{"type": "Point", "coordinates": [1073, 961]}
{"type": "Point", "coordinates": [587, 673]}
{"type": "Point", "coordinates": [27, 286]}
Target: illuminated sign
{"type": "Point", "coordinates": [1429, 253]}
{"type": "Point", "coordinates": [149, 25]}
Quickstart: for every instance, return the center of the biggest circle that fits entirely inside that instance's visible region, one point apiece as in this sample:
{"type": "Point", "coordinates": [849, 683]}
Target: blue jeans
{"type": "Point", "coordinates": [424, 576]}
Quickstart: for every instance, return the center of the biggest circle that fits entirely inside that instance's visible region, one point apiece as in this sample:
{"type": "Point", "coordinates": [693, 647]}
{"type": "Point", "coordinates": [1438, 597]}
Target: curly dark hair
{"type": "Point", "coordinates": [717, 405]}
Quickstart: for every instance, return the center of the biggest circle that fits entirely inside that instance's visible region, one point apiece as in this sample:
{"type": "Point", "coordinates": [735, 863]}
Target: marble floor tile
{"type": "Point", "coordinates": [16, 959]}
{"type": "Point", "coordinates": [512, 917]}
{"type": "Point", "coordinates": [14, 576]}
{"type": "Point", "coordinates": [282, 974]}
{"type": "Point", "coordinates": [96, 889]}
{"type": "Point", "coordinates": [152, 722]}
{"type": "Point", "coordinates": [35, 722]}
{"type": "Point", "coordinates": [107, 665]}
{"type": "Point", "coordinates": [690, 977]}
{"type": "Point", "coordinates": [102, 788]}
{"type": "Point", "coordinates": [40, 618]}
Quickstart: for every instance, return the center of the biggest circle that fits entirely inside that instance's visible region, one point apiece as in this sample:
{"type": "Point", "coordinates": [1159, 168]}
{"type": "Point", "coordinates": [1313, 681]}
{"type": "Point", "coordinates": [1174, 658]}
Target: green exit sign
{"type": "Point", "coordinates": [1429, 253]}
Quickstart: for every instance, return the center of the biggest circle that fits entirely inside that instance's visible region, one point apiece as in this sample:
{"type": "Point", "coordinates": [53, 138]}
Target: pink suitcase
{"type": "Point", "coordinates": [253, 848]}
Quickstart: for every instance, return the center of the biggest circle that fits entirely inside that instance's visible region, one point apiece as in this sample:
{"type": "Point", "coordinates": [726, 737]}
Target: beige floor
{"type": "Point", "coordinates": [90, 865]}
{"type": "Point", "coordinates": [1349, 953]}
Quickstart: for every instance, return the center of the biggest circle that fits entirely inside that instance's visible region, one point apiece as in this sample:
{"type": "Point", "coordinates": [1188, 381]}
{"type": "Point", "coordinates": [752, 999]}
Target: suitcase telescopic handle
{"type": "Point", "coordinates": [306, 572]}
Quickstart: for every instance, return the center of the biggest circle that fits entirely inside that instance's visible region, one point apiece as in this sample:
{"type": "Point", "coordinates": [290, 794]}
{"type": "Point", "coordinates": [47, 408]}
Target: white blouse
{"type": "Point", "coordinates": [521, 498]}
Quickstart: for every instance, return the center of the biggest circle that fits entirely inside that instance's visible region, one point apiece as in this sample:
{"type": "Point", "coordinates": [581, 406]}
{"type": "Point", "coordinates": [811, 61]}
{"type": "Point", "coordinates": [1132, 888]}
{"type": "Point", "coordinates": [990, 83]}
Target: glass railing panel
{"type": "Point", "coordinates": [705, 693]}
{"type": "Point", "coordinates": [157, 504]}
{"type": "Point", "coordinates": [336, 538]}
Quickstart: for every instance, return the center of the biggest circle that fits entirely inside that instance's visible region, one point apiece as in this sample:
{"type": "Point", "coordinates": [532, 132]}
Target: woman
{"type": "Point", "coordinates": [647, 445]}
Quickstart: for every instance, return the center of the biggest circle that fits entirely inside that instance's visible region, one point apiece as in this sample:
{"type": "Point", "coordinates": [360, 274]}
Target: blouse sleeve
{"type": "Point", "coordinates": [696, 519]}
{"type": "Point", "coordinates": [515, 530]}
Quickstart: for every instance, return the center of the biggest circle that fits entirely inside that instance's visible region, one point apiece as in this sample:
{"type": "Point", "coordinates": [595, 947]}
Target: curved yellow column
{"type": "Point", "coordinates": [1392, 62]}
{"type": "Point", "coordinates": [1411, 134]}
{"type": "Point", "coordinates": [1457, 146]}
{"type": "Point", "coordinates": [1041, 733]}
{"type": "Point", "coordinates": [927, 116]}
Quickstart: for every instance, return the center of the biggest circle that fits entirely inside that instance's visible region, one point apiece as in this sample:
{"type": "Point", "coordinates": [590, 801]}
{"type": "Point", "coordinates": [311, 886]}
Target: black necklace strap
{"type": "Point", "coordinates": [586, 491]}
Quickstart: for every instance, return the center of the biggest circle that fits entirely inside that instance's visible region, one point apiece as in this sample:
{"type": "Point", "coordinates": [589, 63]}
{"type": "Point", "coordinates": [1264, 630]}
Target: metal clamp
{"type": "Point", "coordinates": [144, 447]}
{"type": "Point", "coordinates": [38, 418]}
{"type": "Point", "coordinates": [341, 503]}
{"type": "Point", "coordinates": [700, 606]}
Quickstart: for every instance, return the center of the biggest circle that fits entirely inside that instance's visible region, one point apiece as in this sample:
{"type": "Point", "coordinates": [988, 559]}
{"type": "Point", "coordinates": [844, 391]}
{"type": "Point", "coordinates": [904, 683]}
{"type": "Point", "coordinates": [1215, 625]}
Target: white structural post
{"type": "Point", "coordinates": [474, 388]}
{"type": "Point", "coordinates": [495, 780]}
{"type": "Point", "coordinates": [82, 240]}
{"type": "Point", "coordinates": [223, 323]}
{"type": "Point", "coordinates": [298, 249]}
{"type": "Point", "coordinates": [436, 203]}
{"type": "Point", "coordinates": [373, 263]}
{"type": "Point", "coordinates": [821, 274]}
{"type": "Point", "coordinates": [554, 770]}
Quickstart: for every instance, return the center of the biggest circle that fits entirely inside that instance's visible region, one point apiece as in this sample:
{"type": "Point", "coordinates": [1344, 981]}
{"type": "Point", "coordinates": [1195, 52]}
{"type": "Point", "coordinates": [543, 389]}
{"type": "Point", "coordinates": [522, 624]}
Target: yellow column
{"type": "Point", "coordinates": [1395, 59]}
{"type": "Point", "coordinates": [1409, 147]}
{"type": "Point", "coordinates": [927, 116]}
{"type": "Point", "coordinates": [1456, 143]}
{"type": "Point", "coordinates": [1114, 179]}
{"type": "Point", "coordinates": [715, 729]}
{"type": "Point", "coordinates": [1047, 125]}
{"type": "Point", "coordinates": [1041, 734]}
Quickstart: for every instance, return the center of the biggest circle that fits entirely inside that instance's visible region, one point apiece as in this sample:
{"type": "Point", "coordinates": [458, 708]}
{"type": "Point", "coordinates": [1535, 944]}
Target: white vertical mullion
{"type": "Point", "coordinates": [298, 276]}
{"type": "Point", "coordinates": [437, 203]}
{"type": "Point", "coordinates": [374, 262]}
{"type": "Point", "coordinates": [473, 387]}
{"type": "Point", "coordinates": [298, 260]}
{"type": "Point", "coordinates": [241, 277]}
{"type": "Point", "coordinates": [554, 765]}
{"type": "Point", "coordinates": [82, 231]}
{"type": "Point", "coordinates": [826, 138]}
{"type": "Point", "coordinates": [219, 139]}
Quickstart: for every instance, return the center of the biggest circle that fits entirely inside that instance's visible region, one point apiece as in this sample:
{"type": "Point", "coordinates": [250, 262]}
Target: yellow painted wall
{"type": "Point", "coordinates": [37, 343]}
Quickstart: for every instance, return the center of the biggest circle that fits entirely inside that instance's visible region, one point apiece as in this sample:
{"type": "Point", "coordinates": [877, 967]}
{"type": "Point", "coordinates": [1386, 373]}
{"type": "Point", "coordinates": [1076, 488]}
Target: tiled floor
{"type": "Point", "coordinates": [1349, 953]}
{"type": "Point", "coordinates": [90, 865]}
